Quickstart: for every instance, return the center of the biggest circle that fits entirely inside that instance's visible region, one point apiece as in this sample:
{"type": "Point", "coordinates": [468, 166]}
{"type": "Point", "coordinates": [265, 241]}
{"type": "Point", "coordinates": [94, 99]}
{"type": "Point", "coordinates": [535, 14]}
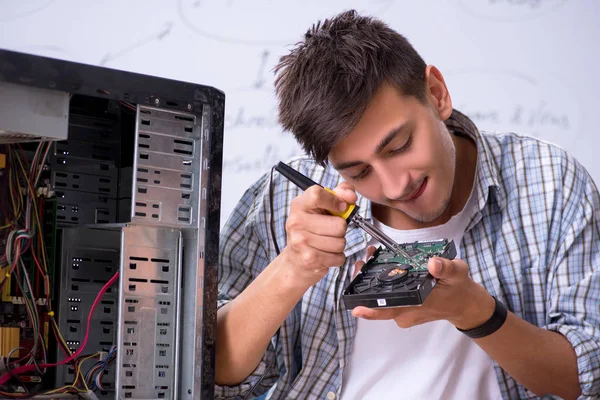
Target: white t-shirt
{"type": "Point", "coordinates": [429, 361]}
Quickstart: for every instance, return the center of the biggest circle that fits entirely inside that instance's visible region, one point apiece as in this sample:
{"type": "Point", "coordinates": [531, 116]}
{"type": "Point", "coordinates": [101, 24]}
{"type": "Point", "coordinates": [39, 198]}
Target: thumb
{"type": "Point", "coordinates": [346, 192]}
{"type": "Point", "coordinates": [442, 268]}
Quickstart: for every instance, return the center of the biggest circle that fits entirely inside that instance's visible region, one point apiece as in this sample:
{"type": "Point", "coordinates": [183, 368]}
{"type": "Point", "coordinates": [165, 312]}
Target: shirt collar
{"type": "Point", "coordinates": [487, 178]}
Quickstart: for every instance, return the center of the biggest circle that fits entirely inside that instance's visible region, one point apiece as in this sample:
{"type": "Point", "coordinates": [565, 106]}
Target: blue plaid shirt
{"type": "Point", "coordinates": [533, 243]}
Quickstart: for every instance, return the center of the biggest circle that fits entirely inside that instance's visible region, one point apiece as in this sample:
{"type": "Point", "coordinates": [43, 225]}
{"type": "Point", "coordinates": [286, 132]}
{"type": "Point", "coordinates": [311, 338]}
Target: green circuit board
{"type": "Point", "coordinates": [418, 253]}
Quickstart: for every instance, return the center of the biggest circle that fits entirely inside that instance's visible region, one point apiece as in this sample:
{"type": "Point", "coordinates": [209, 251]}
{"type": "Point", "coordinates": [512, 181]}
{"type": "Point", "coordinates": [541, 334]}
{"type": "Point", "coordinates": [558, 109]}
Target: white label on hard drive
{"type": "Point", "coordinates": [381, 302]}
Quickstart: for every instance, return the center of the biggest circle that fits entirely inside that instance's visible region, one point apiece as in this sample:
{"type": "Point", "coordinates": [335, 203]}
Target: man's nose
{"type": "Point", "coordinates": [393, 183]}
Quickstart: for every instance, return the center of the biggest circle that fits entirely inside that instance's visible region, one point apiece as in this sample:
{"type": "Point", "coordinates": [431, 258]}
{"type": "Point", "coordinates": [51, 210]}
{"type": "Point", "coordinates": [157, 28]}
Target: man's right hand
{"type": "Point", "coordinates": [315, 238]}
{"type": "Point", "coordinates": [315, 242]}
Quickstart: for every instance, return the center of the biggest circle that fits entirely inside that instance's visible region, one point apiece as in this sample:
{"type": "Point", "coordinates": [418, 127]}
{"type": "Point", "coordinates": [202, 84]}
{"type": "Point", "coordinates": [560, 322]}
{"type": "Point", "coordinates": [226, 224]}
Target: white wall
{"type": "Point", "coordinates": [529, 66]}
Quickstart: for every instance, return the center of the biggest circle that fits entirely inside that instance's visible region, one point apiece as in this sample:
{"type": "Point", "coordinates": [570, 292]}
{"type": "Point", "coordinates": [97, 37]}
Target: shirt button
{"type": "Point", "coordinates": [331, 396]}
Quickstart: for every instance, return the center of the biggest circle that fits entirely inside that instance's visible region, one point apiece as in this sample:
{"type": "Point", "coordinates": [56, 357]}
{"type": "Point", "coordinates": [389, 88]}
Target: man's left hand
{"type": "Point", "coordinates": [455, 298]}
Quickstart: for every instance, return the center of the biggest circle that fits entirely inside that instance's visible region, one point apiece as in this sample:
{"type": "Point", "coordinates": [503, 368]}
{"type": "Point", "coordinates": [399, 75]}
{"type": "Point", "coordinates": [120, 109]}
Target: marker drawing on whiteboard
{"type": "Point", "coordinates": [140, 43]}
{"type": "Point", "coordinates": [260, 162]}
{"type": "Point", "coordinates": [509, 10]}
{"type": "Point", "coordinates": [224, 21]}
{"type": "Point", "coordinates": [22, 9]}
{"type": "Point", "coordinates": [260, 76]}
{"type": "Point", "coordinates": [527, 105]}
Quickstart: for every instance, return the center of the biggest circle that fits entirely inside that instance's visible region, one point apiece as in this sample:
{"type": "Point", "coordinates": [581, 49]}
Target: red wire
{"type": "Point", "coordinates": [27, 368]}
{"type": "Point", "coordinates": [39, 267]}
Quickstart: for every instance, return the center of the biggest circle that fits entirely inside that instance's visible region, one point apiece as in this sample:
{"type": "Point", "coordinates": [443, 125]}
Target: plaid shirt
{"type": "Point", "coordinates": [533, 243]}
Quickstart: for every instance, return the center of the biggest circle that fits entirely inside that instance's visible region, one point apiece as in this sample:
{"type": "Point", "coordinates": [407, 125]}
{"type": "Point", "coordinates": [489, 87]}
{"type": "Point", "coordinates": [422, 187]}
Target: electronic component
{"type": "Point", "coordinates": [391, 279]}
{"type": "Point", "coordinates": [107, 174]}
{"type": "Point", "coordinates": [10, 338]}
{"type": "Point", "coordinates": [32, 114]}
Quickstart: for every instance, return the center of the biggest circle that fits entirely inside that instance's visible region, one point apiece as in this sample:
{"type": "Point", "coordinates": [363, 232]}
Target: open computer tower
{"type": "Point", "coordinates": [110, 186]}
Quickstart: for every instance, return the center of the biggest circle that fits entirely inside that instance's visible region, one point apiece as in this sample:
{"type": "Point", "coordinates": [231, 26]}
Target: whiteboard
{"type": "Point", "coordinates": [527, 66]}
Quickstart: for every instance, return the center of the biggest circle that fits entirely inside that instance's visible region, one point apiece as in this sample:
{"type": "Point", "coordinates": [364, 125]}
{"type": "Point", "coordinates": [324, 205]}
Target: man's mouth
{"type": "Point", "coordinates": [418, 192]}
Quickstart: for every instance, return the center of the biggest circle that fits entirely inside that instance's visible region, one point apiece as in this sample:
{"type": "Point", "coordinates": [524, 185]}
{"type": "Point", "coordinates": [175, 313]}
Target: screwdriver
{"type": "Point", "coordinates": [350, 214]}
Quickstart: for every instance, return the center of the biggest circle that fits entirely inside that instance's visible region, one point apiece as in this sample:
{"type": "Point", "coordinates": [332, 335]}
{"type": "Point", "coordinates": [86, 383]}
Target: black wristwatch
{"type": "Point", "coordinates": [491, 325]}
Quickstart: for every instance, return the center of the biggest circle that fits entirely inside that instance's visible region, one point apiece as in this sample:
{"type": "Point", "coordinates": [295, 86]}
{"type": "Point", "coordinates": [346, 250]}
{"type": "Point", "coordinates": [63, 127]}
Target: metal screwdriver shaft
{"type": "Point", "coordinates": [379, 235]}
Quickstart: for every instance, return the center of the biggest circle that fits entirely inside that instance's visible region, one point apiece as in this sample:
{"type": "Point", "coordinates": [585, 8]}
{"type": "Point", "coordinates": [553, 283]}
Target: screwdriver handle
{"type": "Point", "coordinates": [304, 182]}
{"type": "Point", "coordinates": [348, 214]}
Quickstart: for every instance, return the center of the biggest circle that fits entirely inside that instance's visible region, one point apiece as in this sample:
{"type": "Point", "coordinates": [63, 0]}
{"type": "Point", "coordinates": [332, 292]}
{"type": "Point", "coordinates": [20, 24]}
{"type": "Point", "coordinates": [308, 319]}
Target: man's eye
{"type": "Point", "coordinates": [403, 148]}
{"type": "Point", "coordinates": [361, 174]}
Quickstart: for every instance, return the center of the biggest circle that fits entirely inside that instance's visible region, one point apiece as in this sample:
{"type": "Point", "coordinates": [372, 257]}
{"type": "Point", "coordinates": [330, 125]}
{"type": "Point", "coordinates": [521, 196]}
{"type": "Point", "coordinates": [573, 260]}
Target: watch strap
{"type": "Point", "coordinates": [491, 325]}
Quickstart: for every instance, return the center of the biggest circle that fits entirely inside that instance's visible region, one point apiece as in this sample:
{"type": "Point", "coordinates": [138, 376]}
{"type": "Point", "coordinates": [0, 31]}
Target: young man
{"type": "Point", "coordinates": [379, 126]}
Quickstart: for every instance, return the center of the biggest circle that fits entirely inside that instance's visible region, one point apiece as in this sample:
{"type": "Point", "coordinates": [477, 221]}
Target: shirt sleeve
{"type": "Point", "coordinates": [573, 300]}
{"type": "Point", "coordinates": [242, 257]}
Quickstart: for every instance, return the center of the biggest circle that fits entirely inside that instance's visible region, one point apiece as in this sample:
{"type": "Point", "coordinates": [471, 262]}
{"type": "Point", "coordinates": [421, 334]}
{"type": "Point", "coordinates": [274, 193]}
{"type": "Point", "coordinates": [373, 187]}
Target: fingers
{"type": "Point", "coordinates": [314, 260]}
{"type": "Point", "coordinates": [315, 238]}
{"type": "Point", "coordinates": [345, 191]}
{"type": "Point", "coordinates": [370, 251]}
{"type": "Point", "coordinates": [435, 267]}
{"type": "Point", "coordinates": [329, 243]}
{"type": "Point", "coordinates": [404, 317]}
{"type": "Point", "coordinates": [319, 224]}
{"type": "Point", "coordinates": [376, 314]}
{"type": "Point", "coordinates": [315, 243]}
{"type": "Point", "coordinates": [448, 270]}
{"type": "Point", "coordinates": [345, 186]}
{"type": "Point", "coordinates": [357, 267]}
{"type": "Point", "coordinates": [359, 264]}
{"type": "Point", "coordinates": [315, 199]}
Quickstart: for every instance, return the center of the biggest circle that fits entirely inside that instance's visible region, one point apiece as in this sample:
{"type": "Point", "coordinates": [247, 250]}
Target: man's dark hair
{"type": "Point", "coordinates": [327, 81]}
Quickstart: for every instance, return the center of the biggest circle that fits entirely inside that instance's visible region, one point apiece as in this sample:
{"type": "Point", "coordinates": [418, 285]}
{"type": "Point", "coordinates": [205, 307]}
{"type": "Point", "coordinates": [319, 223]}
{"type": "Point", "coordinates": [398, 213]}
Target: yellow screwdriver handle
{"type": "Point", "coordinates": [348, 213]}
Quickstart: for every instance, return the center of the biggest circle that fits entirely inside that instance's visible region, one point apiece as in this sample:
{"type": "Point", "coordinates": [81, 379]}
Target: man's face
{"type": "Point", "coordinates": [400, 155]}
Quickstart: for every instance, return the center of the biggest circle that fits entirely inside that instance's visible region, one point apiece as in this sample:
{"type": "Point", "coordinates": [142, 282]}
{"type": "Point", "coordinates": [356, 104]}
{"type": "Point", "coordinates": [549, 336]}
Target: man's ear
{"type": "Point", "coordinates": [437, 92]}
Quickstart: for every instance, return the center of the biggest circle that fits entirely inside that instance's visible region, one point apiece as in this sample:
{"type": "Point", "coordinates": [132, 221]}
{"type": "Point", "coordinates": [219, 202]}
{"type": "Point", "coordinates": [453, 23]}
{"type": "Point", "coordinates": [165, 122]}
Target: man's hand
{"type": "Point", "coordinates": [541, 360]}
{"type": "Point", "coordinates": [455, 298]}
{"type": "Point", "coordinates": [315, 238]}
{"type": "Point", "coordinates": [315, 242]}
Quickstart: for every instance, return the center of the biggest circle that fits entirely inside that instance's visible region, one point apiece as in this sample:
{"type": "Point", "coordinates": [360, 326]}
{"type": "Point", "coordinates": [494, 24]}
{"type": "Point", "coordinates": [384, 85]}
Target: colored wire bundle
{"type": "Point", "coordinates": [21, 222]}
{"type": "Point", "coordinates": [94, 376]}
{"type": "Point", "coordinates": [21, 230]}
{"type": "Point", "coordinates": [28, 368]}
